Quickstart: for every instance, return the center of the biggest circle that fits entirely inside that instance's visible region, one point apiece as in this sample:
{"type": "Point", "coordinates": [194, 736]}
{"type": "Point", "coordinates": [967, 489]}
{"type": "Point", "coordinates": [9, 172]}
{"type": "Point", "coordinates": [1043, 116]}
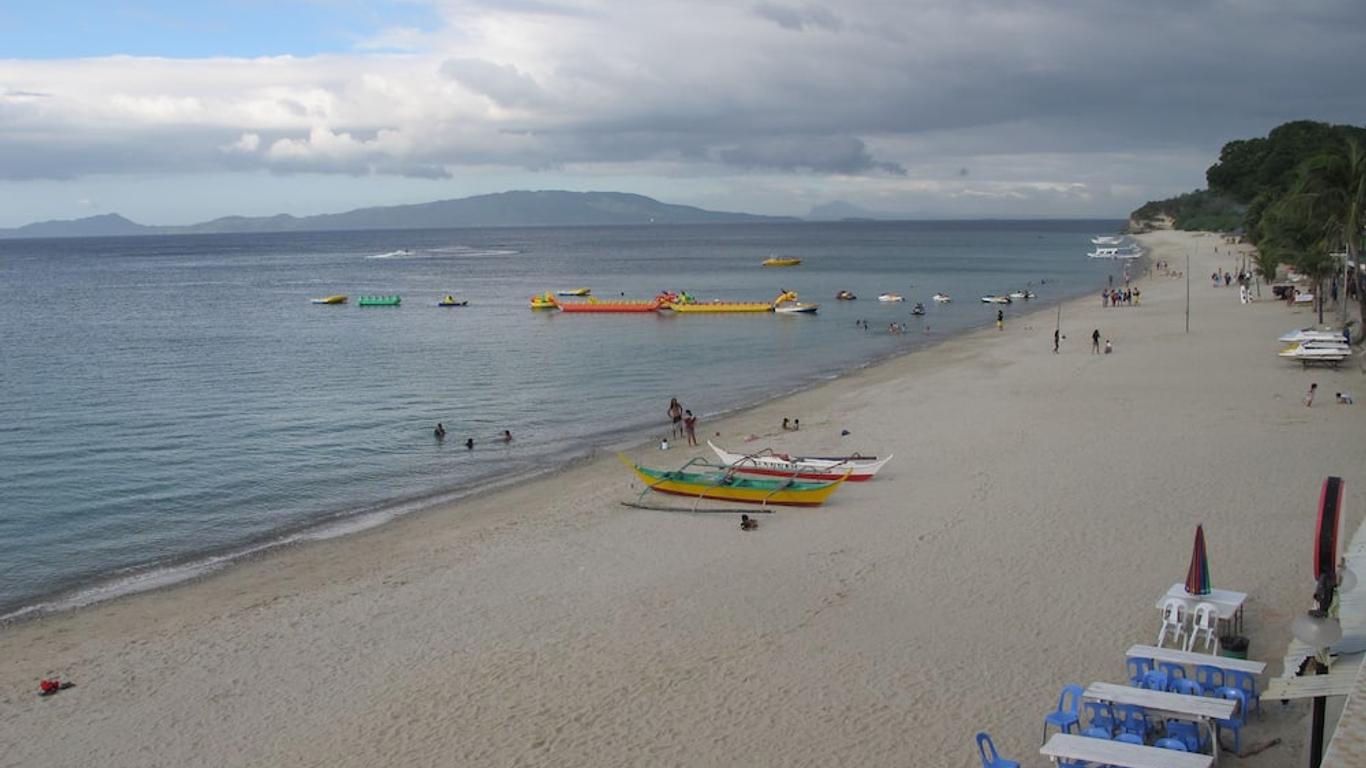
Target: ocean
{"type": "Point", "coordinates": [173, 403]}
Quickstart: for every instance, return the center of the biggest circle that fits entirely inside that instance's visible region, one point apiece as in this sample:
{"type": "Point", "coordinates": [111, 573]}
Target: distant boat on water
{"type": "Point", "coordinates": [1107, 240]}
{"type": "Point", "coordinates": [1116, 252]}
{"type": "Point", "coordinates": [776, 261]}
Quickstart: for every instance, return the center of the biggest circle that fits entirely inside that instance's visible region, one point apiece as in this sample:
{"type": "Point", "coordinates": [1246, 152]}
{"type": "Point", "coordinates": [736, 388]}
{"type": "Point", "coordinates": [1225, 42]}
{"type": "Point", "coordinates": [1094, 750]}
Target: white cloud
{"type": "Point", "coordinates": [1024, 94]}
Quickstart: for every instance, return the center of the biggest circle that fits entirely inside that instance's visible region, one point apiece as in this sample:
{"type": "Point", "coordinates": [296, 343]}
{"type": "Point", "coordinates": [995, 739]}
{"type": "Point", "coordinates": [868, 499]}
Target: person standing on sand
{"type": "Point", "coordinates": [1095, 342]}
{"type": "Point", "coordinates": [690, 426]}
{"type": "Point", "coordinates": [1309, 396]}
{"type": "Point", "coordinates": [1000, 319]}
{"type": "Point", "coordinates": [1056, 333]}
{"type": "Point", "coordinates": [676, 416]}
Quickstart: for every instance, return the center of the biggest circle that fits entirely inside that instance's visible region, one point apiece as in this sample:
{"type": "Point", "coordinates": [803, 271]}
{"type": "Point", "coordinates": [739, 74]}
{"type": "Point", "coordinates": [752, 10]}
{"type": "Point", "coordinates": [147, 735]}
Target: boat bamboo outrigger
{"type": "Point", "coordinates": [772, 463]}
{"type": "Point", "coordinates": [711, 481]}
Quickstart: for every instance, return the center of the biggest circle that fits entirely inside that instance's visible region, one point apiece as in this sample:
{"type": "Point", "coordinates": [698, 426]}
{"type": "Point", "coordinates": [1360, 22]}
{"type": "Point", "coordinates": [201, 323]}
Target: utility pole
{"type": "Point", "coordinates": [1188, 291]}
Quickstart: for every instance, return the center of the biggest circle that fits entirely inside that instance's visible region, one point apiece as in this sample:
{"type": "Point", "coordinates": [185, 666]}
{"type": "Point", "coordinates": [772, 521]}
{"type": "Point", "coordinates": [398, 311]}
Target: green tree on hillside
{"type": "Point", "coordinates": [1290, 234]}
{"type": "Point", "coordinates": [1331, 190]}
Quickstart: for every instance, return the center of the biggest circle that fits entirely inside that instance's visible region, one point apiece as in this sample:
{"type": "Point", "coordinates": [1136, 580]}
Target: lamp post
{"type": "Point", "coordinates": [1319, 628]}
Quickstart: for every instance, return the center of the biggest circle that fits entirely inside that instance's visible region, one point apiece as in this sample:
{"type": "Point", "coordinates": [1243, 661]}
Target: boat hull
{"type": "Point", "coordinates": [379, 301]}
{"type": "Point", "coordinates": [745, 490]}
{"type": "Point", "coordinates": [575, 292]}
{"type": "Point", "coordinates": [803, 469]}
{"type": "Point", "coordinates": [797, 309]}
{"type": "Point", "coordinates": [330, 300]}
{"type": "Point", "coordinates": [781, 262]}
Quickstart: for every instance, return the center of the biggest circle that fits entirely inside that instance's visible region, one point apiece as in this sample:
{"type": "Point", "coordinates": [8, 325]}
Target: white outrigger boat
{"type": "Point", "coordinates": [1114, 252]}
{"type": "Point", "coordinates": [1309, 334]}
{"type": "Point", "coordinates": [773, 464]}
{"type": "Point", "coordinates": [1107, 240]}
{"type": "Point", "coordinates": [995, 299]}
{"type": "Point", "coordinates": [942, 298]}
{"type": "Point", "coordinates": [1317, 353]}
{"type": "Point", "coordinates": [1021, 294]}
{"type": "Point", "coordinates": [887, 298]}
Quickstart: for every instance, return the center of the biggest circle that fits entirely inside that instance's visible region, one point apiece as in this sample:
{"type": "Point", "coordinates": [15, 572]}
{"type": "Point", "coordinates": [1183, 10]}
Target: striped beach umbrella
{"type": "Point", "coordinates": [1197, 576]}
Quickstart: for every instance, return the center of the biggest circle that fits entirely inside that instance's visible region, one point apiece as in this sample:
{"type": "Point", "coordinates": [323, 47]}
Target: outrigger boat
{"type": "Point", "coordinates": [450, 301]}
{"type": "Point", "coordinates": [710, 481]}
{"type": "Point", "coordinates": [845, 296]}
{"type": "Point", "coordinates": [771, 463]}
{"type": "Point", "coordinates": [995, 299]}
{"type": "Point", "coordinates": [888, 298]}
{"type": "Point", "coordinates": [1021, 294]}
{"type": "Point", "coordinates": [336, 299]}
{"type": "Point", "coordinates": [942, 298]}
{"type": "Point", "coordinates": [775, 261]}
{"type": "Point", "coordinates": [574, 292]}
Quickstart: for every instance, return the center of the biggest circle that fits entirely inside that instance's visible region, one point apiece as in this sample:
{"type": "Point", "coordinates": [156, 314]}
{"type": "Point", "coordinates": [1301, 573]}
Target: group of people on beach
{"type": "Point", "coordinates": [1342, 398]}
{"type": "Point", "coordinates": [440, 434]}
{"type": "Point", "coordinates": [1114, 297]}
{"type": "Point", "coordinates": [684, 424]}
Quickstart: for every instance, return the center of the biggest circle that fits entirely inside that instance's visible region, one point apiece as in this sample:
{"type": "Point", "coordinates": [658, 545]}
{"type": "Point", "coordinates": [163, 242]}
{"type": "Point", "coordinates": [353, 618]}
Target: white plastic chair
{"type": "Point", "coordinates": [1173, 618]}
{"type": "Point", "coordinates": [1204, 619]}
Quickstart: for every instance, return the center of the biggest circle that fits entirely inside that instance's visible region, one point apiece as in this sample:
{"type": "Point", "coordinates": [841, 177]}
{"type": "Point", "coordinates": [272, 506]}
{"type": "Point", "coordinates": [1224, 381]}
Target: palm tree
{"type": "Point", "coordinates": [1331, 190]}
{"type": "Point", "coordinates": [1291, 234]}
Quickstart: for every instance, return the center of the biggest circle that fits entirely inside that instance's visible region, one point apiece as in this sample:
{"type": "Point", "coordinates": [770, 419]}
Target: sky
{"type": "Point", "coordinates": [177, 112]}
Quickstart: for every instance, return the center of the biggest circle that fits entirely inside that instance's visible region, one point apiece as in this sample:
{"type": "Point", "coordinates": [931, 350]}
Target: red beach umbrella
{"type": "Point", "coordinates": [1197, 576]}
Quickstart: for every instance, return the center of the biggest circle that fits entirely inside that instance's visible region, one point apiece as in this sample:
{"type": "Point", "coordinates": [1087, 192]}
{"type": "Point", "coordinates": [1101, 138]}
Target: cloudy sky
{"type": "Point", "coordinates": [174, 111]}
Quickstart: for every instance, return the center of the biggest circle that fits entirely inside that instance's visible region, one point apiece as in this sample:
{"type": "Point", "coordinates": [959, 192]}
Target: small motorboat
{"type": "Point", "coordinates": [995, 299]}
{"type": "Point", "coordinates": [574, 292]}
{"type": "Point", "coordinates": [845, 296]}
{"type": "Point", "coordinates": [544, 301]}
{"type": "Point", "coordinates": [796, 308]}
{"type": "Point", "coordinates": [942, 298]}
{"type": "Point", "coordinates": [335, 299]}
{"type": "Point", "coordinates": [918, 309]}
{"type": "Point", "coordinates": [888, 298]}
{"type": "Point", "coordinates": [379, 301]}
{"type": "Point", "coordinates": [450, 301]}
{"type": "Point", "coordinates": [775, 261]}
{"type": "Point", "coordinates": [1021, 294]}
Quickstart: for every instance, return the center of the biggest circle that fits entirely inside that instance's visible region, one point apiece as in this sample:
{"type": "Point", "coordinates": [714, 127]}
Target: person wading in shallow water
{"type": "Point", "coordinates": [676, 417]}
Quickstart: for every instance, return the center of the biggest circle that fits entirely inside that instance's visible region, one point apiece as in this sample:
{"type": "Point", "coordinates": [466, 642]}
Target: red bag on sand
{"type": "Point", "coordinates": [50, 686]}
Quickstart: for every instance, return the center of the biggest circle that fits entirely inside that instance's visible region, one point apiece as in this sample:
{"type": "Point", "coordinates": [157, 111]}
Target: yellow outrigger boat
{"type": "Point", "coordinates": [775, 261]}
{"type": "Point", "coordinates": [730, 306]}
{"type": "Point", "coordinates": [725, 484]}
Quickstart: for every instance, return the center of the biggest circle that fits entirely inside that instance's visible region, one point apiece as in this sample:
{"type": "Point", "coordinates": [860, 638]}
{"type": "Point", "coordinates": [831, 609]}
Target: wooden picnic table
{"type": "Point", "coordinates": [1186, 657]}
{"type": "Point", "coordinates": [1066, 746]}
{"type": "Point", "coordinates": [1228, 605]}
{"type": "Point", "coordinates": [1198, 709]}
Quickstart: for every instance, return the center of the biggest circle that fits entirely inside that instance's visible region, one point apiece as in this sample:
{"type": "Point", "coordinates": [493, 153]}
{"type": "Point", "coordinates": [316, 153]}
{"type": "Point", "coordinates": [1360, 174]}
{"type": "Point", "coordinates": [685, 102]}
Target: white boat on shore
{"type": "Point", "coordinates": [773, 464]}
{"type": "Point", "coordinates": [1107, 240]}
{"type": "Point", "coordinates": [1310, 334]}
{"type": "Point", "coordinates": [1121, 253]}
{"type": "Point", "coordinates": [1316, 353]}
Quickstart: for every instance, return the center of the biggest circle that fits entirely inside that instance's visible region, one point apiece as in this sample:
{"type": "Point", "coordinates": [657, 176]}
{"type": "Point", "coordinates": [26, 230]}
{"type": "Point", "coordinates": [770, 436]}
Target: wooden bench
{"type": "Point", "coordinates": [1066, 746]}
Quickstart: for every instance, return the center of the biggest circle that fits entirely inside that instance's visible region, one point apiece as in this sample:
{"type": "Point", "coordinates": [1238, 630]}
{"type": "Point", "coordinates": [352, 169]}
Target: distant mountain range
{"type": "Point", "coordinates": [505, 209]}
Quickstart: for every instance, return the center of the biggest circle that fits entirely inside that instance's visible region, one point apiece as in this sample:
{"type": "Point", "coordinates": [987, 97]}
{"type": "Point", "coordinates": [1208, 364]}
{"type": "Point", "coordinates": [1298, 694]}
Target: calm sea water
{"type": "Point", "coordinates": [170, 403]}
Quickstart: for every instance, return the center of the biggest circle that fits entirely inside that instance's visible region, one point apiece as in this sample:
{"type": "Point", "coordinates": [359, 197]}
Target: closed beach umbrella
{"type": "Point", "coordinates": [1197, 576]}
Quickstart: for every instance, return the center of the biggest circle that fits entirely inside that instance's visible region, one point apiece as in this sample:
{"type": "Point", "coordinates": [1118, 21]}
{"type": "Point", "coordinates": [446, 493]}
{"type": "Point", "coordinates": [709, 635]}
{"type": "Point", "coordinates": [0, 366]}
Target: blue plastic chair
{"type": "Point", "coordinates": [984, 744]}
{"type": "Point", "coordinates": [1187, 687]}
{"type": "Point", "coordinates": [1130, 738]}
{"type": "Point", "coordinates": [1173, 671]}
{"type": "Point", "coordinates": [1239, 718]}
{"type": "Point", "coordinates": [1209, 678]}
{"type": "Point", "coordinates": [1172, 744]}
{"type": "Point", "coordinates": [1155, 680]}
{"type": "Point", "coordinates": [1065, 717]}
{"type": "Point", "coordinates": [1186, 732]}
{"type": "Point", "coordinates": [1134, 719]}
{"type": "Point", "coordinates": [1098, 733]}
{"type": "Point", "coordinates": [1245, 682]}
{"type": "Point", "coordinates": [1138, 667]}
{"type": "Point", "coordinates": [1099, 715]}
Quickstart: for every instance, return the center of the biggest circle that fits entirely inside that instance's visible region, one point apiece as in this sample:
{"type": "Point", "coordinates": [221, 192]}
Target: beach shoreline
{"type": "Point", "coordinates": [1037, 506]}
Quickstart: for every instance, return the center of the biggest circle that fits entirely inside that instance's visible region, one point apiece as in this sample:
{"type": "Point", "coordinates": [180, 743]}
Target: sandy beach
{"type": "Point", "coordinates": [1037, 507]}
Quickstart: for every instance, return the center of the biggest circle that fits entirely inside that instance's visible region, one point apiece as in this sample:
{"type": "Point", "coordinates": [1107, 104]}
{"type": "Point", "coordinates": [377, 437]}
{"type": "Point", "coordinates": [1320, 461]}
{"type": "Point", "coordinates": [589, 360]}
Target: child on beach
{"type": "Point", "coordinates": [690, 424]}
{"type": "Point", "coordinates": [1108, 348]}
{"type": "Point", "coordinates": [1309, 396]}
{"type": "Point", "coordinates": [1343, 398]}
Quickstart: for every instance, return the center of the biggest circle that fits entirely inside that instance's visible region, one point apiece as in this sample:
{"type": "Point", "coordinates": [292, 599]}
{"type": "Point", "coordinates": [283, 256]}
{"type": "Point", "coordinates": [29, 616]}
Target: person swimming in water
{"type": "Point", "coordinates": [440, 431]}
{"type": "Point", "coordinates": [469, 443]}
{"type": "Point", "coordinates": [507, 436]}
